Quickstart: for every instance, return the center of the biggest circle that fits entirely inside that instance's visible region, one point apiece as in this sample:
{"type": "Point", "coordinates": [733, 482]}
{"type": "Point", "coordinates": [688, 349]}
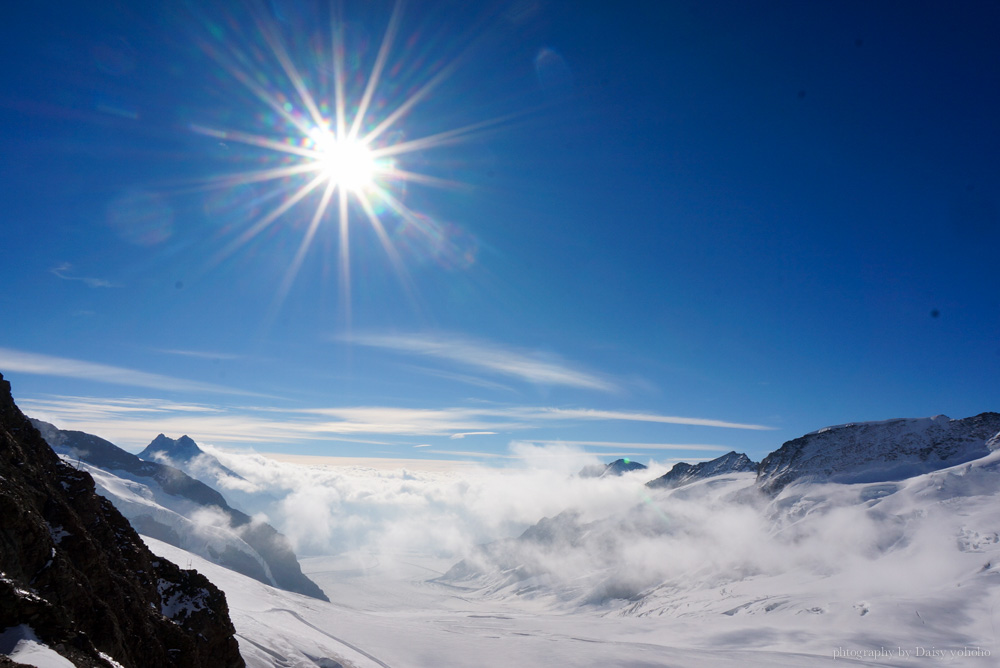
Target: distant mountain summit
{"type": "Point", "coordinates": [182, 448]}
{"type": "Point", "coordinates": [615, 468]}
{"type": "Point", "coordinates": [683, 473]}
{"type": "Point", "coordinates": [880, 451]}
{"type": "Point", "coordinates": [184, 453]}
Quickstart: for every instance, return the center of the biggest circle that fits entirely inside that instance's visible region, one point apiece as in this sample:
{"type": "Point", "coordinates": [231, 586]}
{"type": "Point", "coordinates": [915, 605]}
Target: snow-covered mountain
{"type": "Point", "coordinates": [683, 473]}
{"type": "Point", "coordinates": [887, 525]}
{"type": "Point", "coordinates": [721, 571]}
{"type": "Point", "coordinates": [183, 453]}
{"type": "Point", "coordinates": [879, 451]}
{"type": "Point", "coordinates": [615, 468]}
{"type": "Point", "coordinates": [165, 503]}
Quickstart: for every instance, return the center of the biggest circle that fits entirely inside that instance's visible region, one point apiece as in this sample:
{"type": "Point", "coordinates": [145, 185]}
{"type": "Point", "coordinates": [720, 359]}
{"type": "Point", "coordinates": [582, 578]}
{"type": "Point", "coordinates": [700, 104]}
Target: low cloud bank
{"type": "Point", "coordinates": [713, 546]}
{"type": "Point", "coordinates": [326, 510]}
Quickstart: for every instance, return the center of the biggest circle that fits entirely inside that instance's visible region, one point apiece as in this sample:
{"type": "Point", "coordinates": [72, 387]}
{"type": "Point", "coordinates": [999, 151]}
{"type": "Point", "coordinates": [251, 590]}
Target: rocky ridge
{"type": "Point", "coordinates": [683, 473]}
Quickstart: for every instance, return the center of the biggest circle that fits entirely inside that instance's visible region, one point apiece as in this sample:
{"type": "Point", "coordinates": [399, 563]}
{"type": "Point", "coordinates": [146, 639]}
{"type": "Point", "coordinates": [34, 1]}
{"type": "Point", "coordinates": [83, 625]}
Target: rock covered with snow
{"type": "Point", "coordinates": [615, 468]}
{"type": "Point", "coordinates": [683, 473]}
{"type": "Point", "coordinates": [77, 577]}
{"type": "Point", "coordinates": [184, 453]}
{"type": "Point", "coordinates": [880, 451]}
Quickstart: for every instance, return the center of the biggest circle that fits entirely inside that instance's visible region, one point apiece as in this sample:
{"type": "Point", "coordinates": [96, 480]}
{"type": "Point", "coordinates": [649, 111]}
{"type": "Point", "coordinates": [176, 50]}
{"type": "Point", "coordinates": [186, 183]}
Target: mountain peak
{"type": "Point", "coordinates": [683, 473]}
{"type": "Point", "coordinates": [181, 449]}
{"type": "Point", "coordinates": [615, 468]}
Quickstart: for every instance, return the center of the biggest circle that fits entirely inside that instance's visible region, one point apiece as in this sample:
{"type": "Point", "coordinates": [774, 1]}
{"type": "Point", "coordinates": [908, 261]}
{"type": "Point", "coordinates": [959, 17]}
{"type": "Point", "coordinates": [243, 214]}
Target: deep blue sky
{"type": "Point", "coordinates": [774, 214]}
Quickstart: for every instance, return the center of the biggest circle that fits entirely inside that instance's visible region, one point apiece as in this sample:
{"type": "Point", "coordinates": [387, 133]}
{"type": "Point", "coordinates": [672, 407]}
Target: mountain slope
{"type": "Point", "coordinates": [878, 451]}
{"type": "Point", "coordinates": [683, 473]}
{"type": "Point", "coordinates": [78, 578]}
{"type": "Point", "coordinates": [615, 468]}
{"type": "Point", "coordinates": [174, 507]}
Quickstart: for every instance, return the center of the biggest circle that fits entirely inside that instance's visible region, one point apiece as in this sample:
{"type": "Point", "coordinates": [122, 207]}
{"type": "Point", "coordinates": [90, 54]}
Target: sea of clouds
{"type": "Point", "coordinates": [613, 541]}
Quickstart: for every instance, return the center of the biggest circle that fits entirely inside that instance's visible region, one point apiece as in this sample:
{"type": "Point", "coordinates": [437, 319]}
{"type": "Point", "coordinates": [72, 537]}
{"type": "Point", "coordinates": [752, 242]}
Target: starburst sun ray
{"type": "Point", "coordinates": [351, 154]}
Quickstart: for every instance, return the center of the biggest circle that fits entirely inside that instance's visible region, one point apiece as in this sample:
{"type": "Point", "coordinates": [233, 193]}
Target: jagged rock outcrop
{"type": "Point", "coordinates": [879, 451]}
{"type": "Point", "coordinates": [683, 473]}
{"type": "Point", "coordinates": [75, 573]}
{"type": "Point", "coordinates": [269, 559]}
{"type": "Point", "coordinates": [615, 468]}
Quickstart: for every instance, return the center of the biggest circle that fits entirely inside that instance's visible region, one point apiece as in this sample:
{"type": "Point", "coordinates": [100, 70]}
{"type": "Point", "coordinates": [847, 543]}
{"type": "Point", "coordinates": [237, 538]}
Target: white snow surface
{"type": "Point", "coordinates": [904, 573]}
{"type": "Point", "coordinates": [22, 645]}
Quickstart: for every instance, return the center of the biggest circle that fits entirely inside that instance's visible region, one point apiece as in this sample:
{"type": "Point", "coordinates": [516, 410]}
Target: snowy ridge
{"type": "Point", "coordinates": [683, 473]}
{"type": "Point", "coordinates": [879, 451]}
{"type": "Point", "coordinates": [180, 521]}
{"type": "Point", "coordinates": [711, 574]}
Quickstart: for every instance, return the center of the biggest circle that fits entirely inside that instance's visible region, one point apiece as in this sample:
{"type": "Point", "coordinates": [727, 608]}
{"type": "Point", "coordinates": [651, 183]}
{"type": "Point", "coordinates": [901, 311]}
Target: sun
{"type": "Point", "coordinates": [339, 145]}
{"type": "Point", "coordinates": [346, 162]}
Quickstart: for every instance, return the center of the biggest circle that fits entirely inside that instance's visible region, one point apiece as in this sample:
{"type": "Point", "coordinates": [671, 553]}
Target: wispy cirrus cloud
{"type": "Point", "coordinates": [64, 367]}
{"type": "Point", "coordinates": [524, 365]}
{"type": "Point", "coordinates": [409, 421]}
{"type": "Point", "coordinates": [198, 354]}
{"type": "Point", "coordinates": [593, 414]}
{"type": "Point", "coordinates": [134, 421]}
{"type": "Point", "coordinates": [634, 446]}
{"type": "Point", "coordinates": [65, 271]}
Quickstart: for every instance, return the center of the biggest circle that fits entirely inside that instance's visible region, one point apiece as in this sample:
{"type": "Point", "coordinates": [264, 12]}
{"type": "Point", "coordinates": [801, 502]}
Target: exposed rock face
{"type": "Point", "coordinates": [615, 468]}
{"type": "Point", "coordinates": [74, 571]}
{"type": "Point", "coordinates": [879, 451]}
{"type": "Point", "coordinates": [683, 473]}
{"type": "Point", "coordinates": [280, 566]}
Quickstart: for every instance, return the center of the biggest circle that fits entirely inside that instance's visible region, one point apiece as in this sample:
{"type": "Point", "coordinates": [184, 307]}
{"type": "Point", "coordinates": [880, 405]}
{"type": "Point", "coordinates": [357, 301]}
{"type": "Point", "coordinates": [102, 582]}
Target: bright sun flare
{"type": "Point", "coordinates": [346, 162]}
{"type": "Point", "coordinates": [336, 149]}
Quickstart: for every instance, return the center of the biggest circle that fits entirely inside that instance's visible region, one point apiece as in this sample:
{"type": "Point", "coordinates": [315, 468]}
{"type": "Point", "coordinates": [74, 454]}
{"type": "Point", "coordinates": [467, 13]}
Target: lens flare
{"type": "Point", "coordinates": [329, 138]}
{"type": "Point", "coordinates": [345, 162]}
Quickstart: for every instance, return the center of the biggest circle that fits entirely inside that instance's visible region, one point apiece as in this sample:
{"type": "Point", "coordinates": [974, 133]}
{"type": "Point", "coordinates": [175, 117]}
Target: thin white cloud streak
{"type": "Point", "coordinates": [199, 354]}
{"type": "Point", "coordinates": [492, 357]}
{"type": "Point", "coordinates": [62, 271]}
{"type": "Point", "coordinates": [132, 421]}
{"type": "Point", "coordinates": [471, 453]}
{"type": "Point", "coordinates": [386, 419]}
{"type": "Point", "coordinates": [409, 421]}
{"type": "Point", "coordinates": [461, 378]}
{"type": "Point", "coordinates": [592, 414]}
{"type": "Point", "coordinates": [64, 367]}
{"type": "Point", "coordinates": [636, 446]}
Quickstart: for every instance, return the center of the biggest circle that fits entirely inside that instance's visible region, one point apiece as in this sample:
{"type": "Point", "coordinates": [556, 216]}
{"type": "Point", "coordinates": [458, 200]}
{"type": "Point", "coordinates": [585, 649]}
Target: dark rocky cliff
{"type": "Point", "coordinates": [74, 570]}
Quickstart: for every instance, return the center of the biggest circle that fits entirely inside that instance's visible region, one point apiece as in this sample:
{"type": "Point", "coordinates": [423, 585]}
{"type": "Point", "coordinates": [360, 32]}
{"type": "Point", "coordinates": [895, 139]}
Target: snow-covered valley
{"type": "Point", "coordinates": [889, 574]}
{"type": "Point", "coordinates": [878, 545]}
